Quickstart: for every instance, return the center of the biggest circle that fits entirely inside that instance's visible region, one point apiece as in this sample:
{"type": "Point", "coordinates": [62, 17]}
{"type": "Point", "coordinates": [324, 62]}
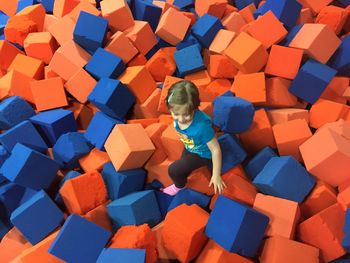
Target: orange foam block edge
{"type": "Point", "coordinates": [121, 46]}
{"type": "Point", "coordinates": [94, 160]}
{"type": "Point", "coordinates": [8, 52]}
{"type": "Point", "coordinates": [40, 45]}
{"type": "Point", "coordinates": [154, 132]}
{"type": "Point", "coordinates": [118, 14]}
{"type": "Point", "coordinates": [29, 66]}
{"type": "Point", "coordinates": [277, 94]}
{"type": "Point", "coordinates": [251, 87]}
{"type": "Point", "coordinates": [172, 146]}
{"type": "Point", "coordinates": [277, 116]}
{"type": "Point", "coordinates": [134, 146]}
{"type": "Point", "coordinates": [84, 193]}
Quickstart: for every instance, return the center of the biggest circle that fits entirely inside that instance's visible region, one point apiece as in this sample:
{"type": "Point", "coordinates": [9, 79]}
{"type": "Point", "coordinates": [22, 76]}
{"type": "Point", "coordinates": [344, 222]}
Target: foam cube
{"type": "Point", "coordinates": [122, 255]}
{"type": "Point", "coordinates": [232, 114]}
{"type": "Point", "coordinates": [146, 11]}
{"type": "Point", "coordinates": [18, 168]}
{"type": "Point", "coordinates": [137, 146]}
{"type": "Point", "coordinates": [189, 197]}
{"type": "Point", "coordinates": [315, 6]}
{"type": "Point", "coordinates": [259, 160]}
{"type": "Point", "coordinates": [122, 183]}
{"type": "Point", "coordinates": [14, 110]}
{"type": "Point", "coordinates": [345, 242]}
{"type": "Point", "coordinates": [341, 58]}
{"type": "Point", "coordinates": [232, 152]}
{"type": "Point", "coordinates": [83, 193]}
{"type": "Point", "coordinates": [70, 147]}
{"type": "Point", "coordinates": [105, 64]}
{"type": "Point", "coordinates": [206, 28]}
{"type": "Point", "coordinates": [138, 208]}
{"type": "Point", "coordinates": [236, 227]}
{"type": "Point", "coordinates": [315, 76]}
{"type": "Point", "coordinates": [62, 29]}
{"type": "Point", "coordinates": [188, 60]}
{"type": "Point", "coordinates": [278, 249]}
{"type": "Point", "coordinates": [284, 177]}
{"type": "Point", "coordinates": [324, 231]}
{"type": "Point", "coordinates": [173, 26]}
{"type": "Point", "coordinates": [189, 40]}
{"type": "Point", "coordinates": [24, 133]}
{"type": "Point", "coordinates": [89, 240]}
{"type": "Point", "coordinates": [215, 8]}
{"type": "Point", "coordinates": [8, 52]}
{"type": "Point", "coordinates": [99, 128]}
{"type": "Point", "coordinates": [185, 244]}
{"type": "Point", "coordinates": [325, 155]}
{"type": "Point", "coordinates": [90, 31]}
{"type": "Point", "coordinates": [283, 115]}
{"type": "Point", "coordinates": [70, 175]}
{"type": "Point", "coordinates": [121, 46]}
{"type": "Point", "coordinates": [321, 46]}
{"type": "Point", "coordinates": [112, 97]}
{"type": "Point", "coordinates": [251, 87]}
{"type": "Point", "coordinates": [247, 53]}
{"type": "Point", "coordinates": [37, 217]}
{"type": "Point", "coordinates": [31, 67]}
{"type": "Point", "coordinates": [118, 14]}
{"type": "Point", "coordinates": [53, 123]}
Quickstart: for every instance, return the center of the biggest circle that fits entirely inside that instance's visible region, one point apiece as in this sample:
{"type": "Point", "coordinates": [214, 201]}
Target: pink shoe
{"type": "Point", "coordinates": [171, 190]}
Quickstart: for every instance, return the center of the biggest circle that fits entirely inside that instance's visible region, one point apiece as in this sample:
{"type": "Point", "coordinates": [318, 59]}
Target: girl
{"type": "Point", "coordinates": [196, 132]}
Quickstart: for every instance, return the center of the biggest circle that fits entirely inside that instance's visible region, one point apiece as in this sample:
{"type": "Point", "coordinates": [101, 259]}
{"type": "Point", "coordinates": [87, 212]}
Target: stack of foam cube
{"type": "Point", "coordinates": [86, 138]}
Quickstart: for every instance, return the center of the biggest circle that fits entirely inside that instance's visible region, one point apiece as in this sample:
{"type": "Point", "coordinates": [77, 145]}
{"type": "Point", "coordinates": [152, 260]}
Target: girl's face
{"type": "Point", "coordinates": [180, 113]}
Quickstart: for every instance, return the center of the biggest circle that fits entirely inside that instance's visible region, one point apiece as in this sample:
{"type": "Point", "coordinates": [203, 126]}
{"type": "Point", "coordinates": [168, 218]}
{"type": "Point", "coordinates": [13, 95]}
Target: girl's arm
{"type": "Point", "coordinates": [216, 180]}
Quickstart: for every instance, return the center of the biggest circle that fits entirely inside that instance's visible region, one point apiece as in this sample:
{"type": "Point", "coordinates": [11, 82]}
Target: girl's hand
{"type": "Point", "coordinates": [218, 184]}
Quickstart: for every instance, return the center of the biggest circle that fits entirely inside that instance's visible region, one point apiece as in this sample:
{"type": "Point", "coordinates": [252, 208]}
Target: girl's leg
{"type": "Point", "coordinates": [182, 168]}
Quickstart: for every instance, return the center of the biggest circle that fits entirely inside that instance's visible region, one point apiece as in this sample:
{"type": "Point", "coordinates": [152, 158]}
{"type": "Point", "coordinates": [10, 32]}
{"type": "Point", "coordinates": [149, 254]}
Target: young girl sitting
{"type": "Point", "coordinates": [196, 132]}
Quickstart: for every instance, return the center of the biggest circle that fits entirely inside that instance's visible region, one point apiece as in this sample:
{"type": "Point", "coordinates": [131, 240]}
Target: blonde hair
{"type": "Point", "coordinates": [183, 92]}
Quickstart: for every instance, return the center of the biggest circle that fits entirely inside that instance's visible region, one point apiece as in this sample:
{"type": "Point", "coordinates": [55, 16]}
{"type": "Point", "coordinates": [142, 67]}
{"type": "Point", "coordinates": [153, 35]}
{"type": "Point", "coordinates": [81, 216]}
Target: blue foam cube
{"type": "Point", "coordinates": [90, 31]}
{"type": "Point", "coordinates": [345, 3]}
{"type": "Point", "coordinates": [189, 40]}
{"type": "Point", "coordinates": [188, 60]}
{"type": "Point", "coordinates": [346, 229]}
{"type": "Point", "coordinates": [183, 4]}
{"type": "Point", "coordinates": [232, 114]}
{"type": "Point", "coordinates": [4, 228]}
{"type": "Point", "coordinates": [24, 133]}
{"type": "Point", "coordinates": [79, 240]}
{"type": "Point", "coordinates": [145, 10]}
{"type": "Point", "coordinates": [160, 44]}
{"type": "Point", "coordinates": [312, 79]}
{"type": "Point", "coordinates": [52, 124]}
{"type": "Point", "coordinates": [206, 28]}
{"type": "Point", "coordinates": [48, 5]}
{"type": "Point", "coordinates": [259, 160]}
{"type": "Point", "coordinates": [105, 64]}
{"type": "Point", "coordinates": [99, 128]}
{"type": "Point", "coordinates": [37, 217]}
{"type": "Point", "coordinates": [189, 197]}
{"type": "Point", "coordinates": [133, 255]}
{"type": "Point", "coordinates": [232, 152]}
{"type": "Point", "coordinates": [286, 178]}
{"type": "Point", "coordinates": [341, 58]}
{"type": "Point", "coordinates": [240, 4]}
{"type": "Point", "coordinates": [3, 21]}
{"type": "Point", "coordinates": [4, 154]}
{"type": "Point", "coordinates": [135, 209]}
{"type": "Point", "coordinates": [24, 3]}
{"type": "Point", "coordinates": [236, 227]}
{"type": "Point", "coordinates": [70, 147]}
{"type": "Point", "coordinates": [123, 182]}
{"type": "Point", "coordinates": [112, 97]}
{"type": "Point", "coordinates": [164, 200]}
{"type": "Point", "coordinates": [29, 168]}
{"type": "Point", "coordinates": [14, 110]}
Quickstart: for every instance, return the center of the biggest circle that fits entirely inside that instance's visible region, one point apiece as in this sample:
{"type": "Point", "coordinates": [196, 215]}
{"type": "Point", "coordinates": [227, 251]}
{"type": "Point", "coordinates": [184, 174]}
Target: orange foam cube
{"type": "Point", "coordinates": [172, 146]}
{"type": "Point", "coordinates": [35, 13]}
{"type": "Point", "coordinates": [199, 181]}
{"type": "Point", "coordinates": [121, 46]}
{"type": "Point", "coordinates": [134, 146]}
{"type": "Point", "coordinates": [333, 16]}
{"type": "Point", "coordinates": [163, 253]}
{"type": "Point", "coordinates": [83, 6]}
{"type": "Point", "coordinates": [80, 85]}
{"type": "Point", "coordinates": [201, 79]}
{"type": "Point", "coordinates": [305, 16]}
{"type": "Point", "coordinates": [99, 216]}
{"type": "Point", "coordinates": [279, 249]}
{"type": "Point", "coordinates": [277, 94]}
{"type": "Point", "coordinates": [324, 111]}
{"type": "Point", "coordinates": [118, 14]}
{"type": "Point", "coordinates": [63, 7]}
{"type": "Point", "coordinates": [94, 160]}
{"type": "Point", "coordinates": [9, 7]}
{"type": "Point", "coordinates": [144, 122]}
{"type": "Point", "coordinates": [248, 12]}
{"type": "Point", "coordinates": [8, 53]}
{"type": "Point", "coordinates": [154, 132]}
{"type": "Point", "coordinates": [277, 116]}
{"type": "Point", "coordinates": [139, 81]}
{"type": "Point", "coordinates": [173, 26]}
{"type": "Point", "coordinates": [159, 172]}
{"type": "Point", "coordinates": [48, 93]}
{"type": "Point", "coordinates": [250, 87]}
{"type": "Point", "coordinates": [169, 80]}
{"type": "Point", "coordinates": [148, 109]}
{"type": "Point", "coordinates": [211, 7]}
{"type": "Point", "coordinates": [138, 60]}
{"type": "Point", "coordinates": [315, 5]}
{"type": "Point", "coordinates": [247, 53]}
{"type": "Point", "coordinates": [40, 45]}
{"type": "Point", "coordinates": [325, 231]}
{"type": "Point", "coordinates": [259, 134]}
{"type": "Point", "coordinates": [76, 54]}
{"type": "Point", "coordinates": [283, 61]}
{"type": "Point", "coordinates": [161, 64]}
{"type": "Point", "coordinates": [142, 36]}
{"type": "Point", "coordinates": [84, 192]}
{"type": "Point", "coordinates": [215, 88]}
{"type": "Point", "coordinates": [18, 27]}
{"type": "Point", "coordinates": [49, 20]}
{"type": "Point", "coordinates": [63, 29]}
{"type": "Point", "coordinates": [82, 114]}
{"type": "Point", "coordinates": [183, 231]}
{"type": "Point", "coordinates": [283, 214]}
{"type": "Point", "coordinates": [326, 155]}
{"type": "Point", "coordinates": [335, 90]}
{"type": "Point", "coordinates": [290, 135]}
{"type": "Point", "coordinates": [267, 29]}
{"type": "Point", "coordinates": [32, 67]}
{"type": "Point", "coordinates": [340, 127]}
{"type": "Point", "coordinates": [221, 67]}
{"type": "Point", "coordinates": [233, 22]}
{"type": "Point", "coordinates": [317, 40]}
{"type": "Point", "coordinates": [221, 41]}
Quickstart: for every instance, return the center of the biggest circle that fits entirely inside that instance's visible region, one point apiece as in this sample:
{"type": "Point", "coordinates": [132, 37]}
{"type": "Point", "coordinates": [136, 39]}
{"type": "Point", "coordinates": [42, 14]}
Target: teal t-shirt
{"type": "Point", "coordinates": [196, 136]}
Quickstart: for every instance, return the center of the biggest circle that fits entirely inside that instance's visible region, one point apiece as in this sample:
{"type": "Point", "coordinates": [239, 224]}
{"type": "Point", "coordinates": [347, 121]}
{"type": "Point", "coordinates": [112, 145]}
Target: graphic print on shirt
{"type": "Point", "coordinates": [188, 142]}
